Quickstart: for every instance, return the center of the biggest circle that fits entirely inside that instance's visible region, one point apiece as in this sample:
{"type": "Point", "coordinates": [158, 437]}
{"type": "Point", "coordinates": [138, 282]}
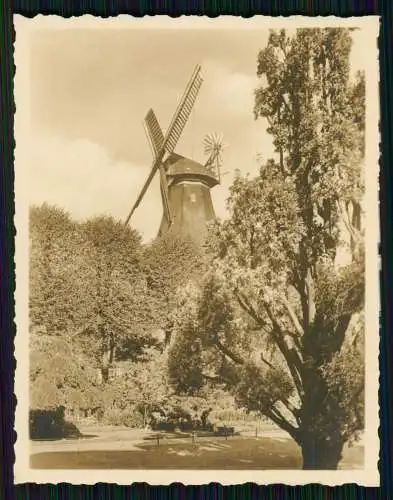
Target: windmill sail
{"type": "Point", "coordinates": [154, 132]}
{"type": "Point", "coordinates": [173, 133]}
{"type": "Point", "coordinates": [183, 111]}
{"type": "Point", "coordinates": [164, 194]}
{"type": "Point", "coordinates": [156, 140]}
{"type": "Point", "coordinates": [156, 165]}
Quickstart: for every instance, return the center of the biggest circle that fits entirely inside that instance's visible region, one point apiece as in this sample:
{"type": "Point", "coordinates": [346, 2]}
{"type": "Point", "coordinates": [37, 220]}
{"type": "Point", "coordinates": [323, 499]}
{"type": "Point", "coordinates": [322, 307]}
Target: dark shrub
{"type": "Point", "coordinates": [51, 424]}
{"type": "Point", "coordinates": [164, 426]}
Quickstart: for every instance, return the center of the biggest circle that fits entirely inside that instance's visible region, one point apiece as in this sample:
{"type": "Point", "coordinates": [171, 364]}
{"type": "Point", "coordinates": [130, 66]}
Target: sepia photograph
{"type": "Point", "coordinates": [197, 250]}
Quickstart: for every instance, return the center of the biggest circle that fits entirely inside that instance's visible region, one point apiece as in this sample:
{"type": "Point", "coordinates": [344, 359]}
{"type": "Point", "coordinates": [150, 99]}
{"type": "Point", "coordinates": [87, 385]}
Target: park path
{"type": "Point", "coordinates": [105, 439]}
{"type": "Point", "coordinates": [115, 439]}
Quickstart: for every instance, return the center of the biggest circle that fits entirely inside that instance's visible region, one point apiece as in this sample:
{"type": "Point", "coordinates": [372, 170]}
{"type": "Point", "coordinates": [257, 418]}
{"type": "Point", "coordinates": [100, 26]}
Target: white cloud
{"type": "Point", "coordinates": [231, 93]}
{"type": "Point", "coordinates": [82, 178]}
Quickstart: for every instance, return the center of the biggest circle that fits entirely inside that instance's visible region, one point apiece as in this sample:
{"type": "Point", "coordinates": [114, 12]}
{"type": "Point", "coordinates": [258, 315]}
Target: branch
{"type": "Point", "coordinates": [214, 378]}
{"type": "Point", "coordinates": [355, 339]}
{"type": "Point", "coordinates": [274, 414]}
{"type": "Point", "coordinates": [310, 297]}
{"type": "Point", "coordinates": [291, 357]}
{"type": "Point", "coordinates": [291, 408]}
{"type": "Point", "coordinates": [267, 363]}
{"type": "Point", "coordinates": [342, 327]}
{"type": "Point", "coordinates": [297, 325]}
{"type": "Point", "coordinates": [279, 420]}
{"type": "Point", "coordinates": [229, 353]}
{"type": "Point", "coordinates": [248, 308]}
{"type": "Point", "coordinates": [353, 232]}
{"type": "Point", "coordinates": [344, 216]}
{"type": "Point", "coordinates": [81, 330]}
{"type": "Point", "coordinates": [279, 415]}
{"type": "Point", "coordinates": [285, 104]}
{"type": "Point", "coordinates": [211, 377]}
{"type": "Point", "coordinates": [282, 167]}
{"type": "Point", "coordinates": [282, 47]}
{"type": "Point", "coordinates": [292, 315]}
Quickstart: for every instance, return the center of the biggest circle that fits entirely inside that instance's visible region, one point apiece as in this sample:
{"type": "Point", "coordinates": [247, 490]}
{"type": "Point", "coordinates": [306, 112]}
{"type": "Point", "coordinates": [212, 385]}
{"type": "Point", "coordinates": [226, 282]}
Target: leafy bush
{"type": "Point", "coordinates": [128, 417]}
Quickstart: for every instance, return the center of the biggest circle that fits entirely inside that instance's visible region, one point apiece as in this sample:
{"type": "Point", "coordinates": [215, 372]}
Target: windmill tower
{"type": "Point", "coordinates": [185, 184]}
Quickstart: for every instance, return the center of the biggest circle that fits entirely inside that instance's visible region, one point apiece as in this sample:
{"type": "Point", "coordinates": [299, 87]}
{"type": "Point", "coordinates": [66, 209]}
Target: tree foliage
{"type": "Point", "coordinates": [143, 387]}
{"type": "Point", "coordinates": [169, 263]}
{"type": "Point", "coordinates": [119, 315]}
{"type": "Point", "coordinates": [61, 375]}
{"type": "Point", "coordinates": [55, 296]}
{"type": "Point", "coordinates": [98, 297]}
{"type": "Point", "coordinates": [277, 318]}
{"type": "Point", "coordinates": [87, 286]}
{"type": "Point", "coordinates": [280, 305]}
{"type": "Point", "coordinates": [185, 350]}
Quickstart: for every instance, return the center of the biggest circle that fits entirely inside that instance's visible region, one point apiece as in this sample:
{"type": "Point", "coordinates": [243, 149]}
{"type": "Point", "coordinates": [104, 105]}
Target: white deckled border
{"type": "Point", "coordinates": [369, 476]}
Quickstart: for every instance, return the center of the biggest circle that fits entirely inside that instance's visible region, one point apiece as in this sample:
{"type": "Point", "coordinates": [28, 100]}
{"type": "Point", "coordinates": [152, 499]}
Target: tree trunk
{"type": "Point", "coordinates": [104, 374]}
{"type": "Point", "coordinates": [105, 364]}
{"type": "Point", "coordinates": [107, 360]}
{"type": "Point", "coordinates": [320, 453]}
{"type": "Point", "coordinates": [144, 416]}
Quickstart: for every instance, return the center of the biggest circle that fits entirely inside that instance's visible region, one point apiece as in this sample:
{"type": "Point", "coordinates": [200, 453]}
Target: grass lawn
{"type": "Point", "coordinates": [206, 453]}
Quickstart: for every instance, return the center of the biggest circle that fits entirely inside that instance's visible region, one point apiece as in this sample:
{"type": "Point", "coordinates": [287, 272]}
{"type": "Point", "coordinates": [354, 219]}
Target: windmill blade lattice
{"type": "Point", "coordinates": [154, 132]}
{"type": "Point", "coordinates": [156, 140]}
{"type": "Point", "coordinates": [183, 111]}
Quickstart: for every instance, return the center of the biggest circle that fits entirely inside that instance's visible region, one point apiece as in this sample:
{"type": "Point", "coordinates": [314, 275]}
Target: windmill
{"type": "Point", "coordinates": [184, 183]}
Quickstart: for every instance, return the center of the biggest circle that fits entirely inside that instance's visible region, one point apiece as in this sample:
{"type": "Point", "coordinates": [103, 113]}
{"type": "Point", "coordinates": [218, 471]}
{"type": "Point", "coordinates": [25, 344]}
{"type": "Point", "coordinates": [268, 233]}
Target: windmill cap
{"type": "Point", "coordinates": [182, 169]}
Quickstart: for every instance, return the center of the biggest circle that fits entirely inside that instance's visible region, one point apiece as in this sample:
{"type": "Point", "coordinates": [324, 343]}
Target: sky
{"type": "Point", "coordinates": [90, 90]}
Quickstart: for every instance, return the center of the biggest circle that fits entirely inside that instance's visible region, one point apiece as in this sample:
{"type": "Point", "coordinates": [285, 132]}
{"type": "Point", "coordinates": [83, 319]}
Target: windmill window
{"type": "Point", "coordinates": [193, 198]}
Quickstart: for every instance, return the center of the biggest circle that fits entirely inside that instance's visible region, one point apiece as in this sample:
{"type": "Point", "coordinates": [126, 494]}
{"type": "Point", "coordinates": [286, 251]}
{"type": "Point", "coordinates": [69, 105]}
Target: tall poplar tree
{"type": "Point", "coordinates": [282, 313]}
